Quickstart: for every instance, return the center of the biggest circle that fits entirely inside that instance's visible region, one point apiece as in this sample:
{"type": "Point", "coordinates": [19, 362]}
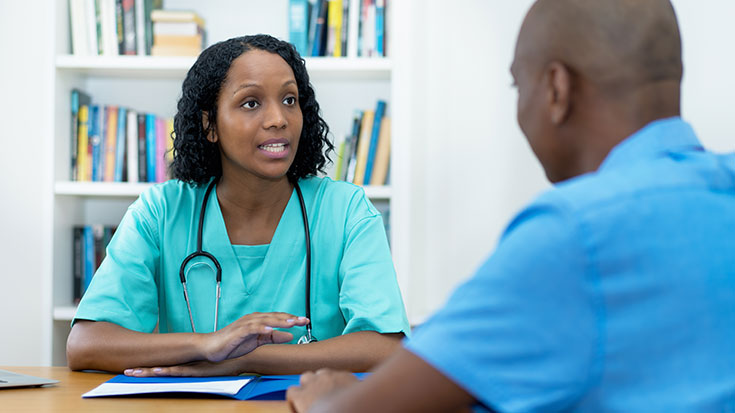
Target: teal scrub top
{"type": "Point", "coordinates": [353, 286]}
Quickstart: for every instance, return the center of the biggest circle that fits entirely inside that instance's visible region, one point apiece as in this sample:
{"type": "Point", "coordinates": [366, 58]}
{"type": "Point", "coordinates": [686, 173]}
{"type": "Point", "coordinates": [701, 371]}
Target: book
{"type": "Point", "coordinates": [334, 28]}
{"type": "Point", "coordinates": [119, 27]}
{"type": "Point", "coordinates": [140, 27]}
{"type": "Point", "coordinates": [150, 140]}
{"type": "Point", "coordinates": [111, 113]}
{"type": "Point", "coordinates": [235, 387]}
{"type": "Point", "coordinates": [374, 135]}
{"type": "Point", "coordinates": [78, 267]}
{"type": "Point", "coordinates": [380, 27]}
{"type": "Point", "coordinates": [89, 257]}
{"type": "Point", "coordinates": [78, 28]}
{"type": "Point", "coordinates": [95, 140]}
{"type": "Point", "coordinates": [182, 16]}
{"type": "Point", "coordinates": [382, 154]}
{"type": "Point", "coordinates": [98, 25]}
{"type": "Point", "coordinates": [131, 152]}
{"type": "Point", "coordinates": [298, 25]}
{"type": "Point", "coordinates": [90, 20]}
{"type": "Point", "coordinates": [128, 23]}
{"type": "Point", "coordinates": [120, 145]}
{"type": "Point", "coordinates": [320, 30]}
{"type": "Point", "coordinates": [160, 150]}
{"type": "Point", "coordinates": [78, 98]}
{"type": "Point", "coordinates": [108, 27]}
{"type": "Point", "coordinates": [345, 22]}
{"type": "Point", "coordinates": [157, 50]}
{"type": "Point", "coordinates": [340, 158]}
{"type": "Point", "coordinates": [192, 41]}
{"type": "Point", "coordinates": [142, 149]}
{"type": "Point", "coordinates": [83, 164]}
{"type": "Point", "coordinates": [349, 174]}
{"type": "Point", "coordinates": [363, 146]}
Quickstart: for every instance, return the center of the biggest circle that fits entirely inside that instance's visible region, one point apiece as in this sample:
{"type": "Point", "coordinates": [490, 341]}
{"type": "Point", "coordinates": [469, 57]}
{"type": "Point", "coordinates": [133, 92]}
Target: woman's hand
{"type": "Point", "coordinates": [247, 333]}
{"type": "Point", "coordinates": [220, 348]}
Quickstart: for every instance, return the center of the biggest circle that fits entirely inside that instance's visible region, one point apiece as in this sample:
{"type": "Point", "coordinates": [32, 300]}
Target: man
{"type": "Point", "coordinates": [614, 291]}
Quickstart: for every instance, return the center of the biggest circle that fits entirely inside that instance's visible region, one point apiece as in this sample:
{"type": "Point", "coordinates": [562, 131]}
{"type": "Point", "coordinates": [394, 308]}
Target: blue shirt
{"type": "Point", "coordinates": [353, 285]}
{"type": "Point", "coordinates": [614, 291]}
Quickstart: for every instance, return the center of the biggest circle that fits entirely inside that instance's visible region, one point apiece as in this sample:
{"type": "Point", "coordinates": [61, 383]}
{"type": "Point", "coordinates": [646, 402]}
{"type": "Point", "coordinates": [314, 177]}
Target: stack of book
{"type": "Point", "coordinates": [363, 157]}
{"type": "Point", "coordinates": [112, 143]}
{"type": "Point", "coordinates": [111, 27]}
{"type": "Point", "coordinates": [177, 33]}
{"type": "Point", "coordinates": [338, 28]}
{"type": "Point", "coordinates": [90, 243]}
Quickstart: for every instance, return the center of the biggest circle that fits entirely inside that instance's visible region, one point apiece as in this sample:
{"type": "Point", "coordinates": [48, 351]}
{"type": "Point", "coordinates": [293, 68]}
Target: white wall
{"type": "Point", "coordinates": [25, 86]}
{"type": "Point", "coordinates": [472, 167]}
{"type": "Point", "coordinates": [470, 164]}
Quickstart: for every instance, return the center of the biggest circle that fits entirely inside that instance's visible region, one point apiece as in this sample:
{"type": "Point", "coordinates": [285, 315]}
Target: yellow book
{"type": "Point", "coordinates": [363, 146]}
{"type": "Point", "coordinates": [110, 137]}
{"type": "Point", "coordinates": [382, 154]}
{"type": "Point", "coordinates": [83, 139]}
{"type": "Point", "coordinates": [334, 27]}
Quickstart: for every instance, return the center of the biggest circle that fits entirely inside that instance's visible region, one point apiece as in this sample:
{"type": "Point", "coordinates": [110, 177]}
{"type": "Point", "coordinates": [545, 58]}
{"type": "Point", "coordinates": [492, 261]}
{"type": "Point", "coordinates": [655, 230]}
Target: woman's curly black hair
{"type": "Point", "coordinates": [196, 159]}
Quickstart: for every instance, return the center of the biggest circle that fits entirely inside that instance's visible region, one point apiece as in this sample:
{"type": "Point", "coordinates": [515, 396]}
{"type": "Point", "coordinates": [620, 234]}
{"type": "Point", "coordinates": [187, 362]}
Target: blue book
{"type": "Point", "coordinates": [380, 27]}
{"type": "Point", "coordinates": [95, 141]}
{"type": "Point", "coordinates": [320, 29]}
{"type": "Point", "coordinates": [298, 25]}
{"type": "Point", "coordinates": [248, 388]}
{"type": "Point", "coordinates": [120, 143]}
{"type": "Point", "coordinates": [150, 146]}
{"type": "Point", "coordinates": [379, 112]}
{"type": "Point", "coordinates": [89, 257]}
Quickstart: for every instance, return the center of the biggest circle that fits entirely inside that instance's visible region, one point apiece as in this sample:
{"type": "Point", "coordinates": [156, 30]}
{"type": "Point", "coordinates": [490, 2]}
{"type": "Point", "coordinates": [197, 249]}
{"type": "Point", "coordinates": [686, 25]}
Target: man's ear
{"type": "Point", "coordinates": [211, 135]}
{"type": "Point", "coordinates": [559, 84]}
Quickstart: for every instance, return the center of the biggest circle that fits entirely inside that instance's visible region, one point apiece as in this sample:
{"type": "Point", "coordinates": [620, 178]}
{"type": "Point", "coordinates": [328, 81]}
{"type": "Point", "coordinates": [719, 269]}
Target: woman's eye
{"type": "Point", "coordinates": [250, 104]}
{"type": "Point", "coordinates": [289, 100]}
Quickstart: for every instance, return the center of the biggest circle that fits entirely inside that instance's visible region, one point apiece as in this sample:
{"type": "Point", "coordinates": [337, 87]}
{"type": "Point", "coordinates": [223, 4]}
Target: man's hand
{"type": "Point", "coordinates": [315, 386]}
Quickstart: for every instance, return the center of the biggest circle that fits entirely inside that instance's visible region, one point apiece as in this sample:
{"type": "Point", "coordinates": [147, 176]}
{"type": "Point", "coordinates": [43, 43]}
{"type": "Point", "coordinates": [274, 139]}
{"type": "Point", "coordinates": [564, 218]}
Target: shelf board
{"type": "Point", "coordinates": [125, 189]}
{"type": "Point", "coordinates": [64, 313]}
{"type": "Point", "coordinates": [176, 67]}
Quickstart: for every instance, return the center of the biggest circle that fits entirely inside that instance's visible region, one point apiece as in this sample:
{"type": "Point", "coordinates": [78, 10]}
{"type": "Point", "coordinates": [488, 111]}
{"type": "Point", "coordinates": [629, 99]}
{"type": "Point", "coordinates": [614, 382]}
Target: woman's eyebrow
{"type": "Point", "coordinates": [245, 86]}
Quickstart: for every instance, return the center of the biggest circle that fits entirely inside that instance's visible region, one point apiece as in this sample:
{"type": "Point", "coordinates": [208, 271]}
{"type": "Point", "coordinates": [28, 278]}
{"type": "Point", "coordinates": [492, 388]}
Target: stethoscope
{"type": "Point", "coordinates": [306, 338]}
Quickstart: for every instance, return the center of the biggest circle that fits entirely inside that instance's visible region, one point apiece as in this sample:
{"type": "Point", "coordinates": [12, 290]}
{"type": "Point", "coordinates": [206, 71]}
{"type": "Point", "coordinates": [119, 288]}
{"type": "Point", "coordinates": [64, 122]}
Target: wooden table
{"type": "Point", "coordinates": [66, 396]}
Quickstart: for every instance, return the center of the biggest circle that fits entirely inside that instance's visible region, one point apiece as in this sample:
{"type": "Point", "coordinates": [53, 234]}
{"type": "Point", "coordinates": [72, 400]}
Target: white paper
{"type": "Point", "coordinates": [223, 387]}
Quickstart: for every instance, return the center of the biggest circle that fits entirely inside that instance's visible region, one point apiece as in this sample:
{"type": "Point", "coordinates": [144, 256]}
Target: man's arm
{"type": "Point", "coordinates": [404, 383]}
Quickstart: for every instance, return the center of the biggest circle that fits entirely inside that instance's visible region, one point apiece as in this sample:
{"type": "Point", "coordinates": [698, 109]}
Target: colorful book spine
{"type": "Point", "coordinates": [374, 135]}
{"type": "Point", "coordinates": [95, 140]}
{"type": "Point", "coordinates": [353, 28]}
{"type": "Point", "coordinates": [131, 152]}
{"type": "Point", "coordinates": [142, 149]}
{"type": "Point", "coordinates": [298, 25]}
{"type": "Point", "coordinates": [380, 27]}
{"type": "Point", "coordinates": [150, 140]}
{"type": "Point", "coordinates": [160, 150]}
{"type": "Point", "coordinates": [78, 266]}
{"type": "Point", "coordinates": [83, 164]}
{"type": "Point", "coordinates": [382, 154]}
{"type": "Point", "coordinates": [110, 143]}
{"type": "Point", "coordinates": [128, 19]}
{"type": "Point", "coordinates": [120, 144]}
{"type": "Point", "coordinates": [320, 30]}
{"type": "Point", "coordinates": [89, 257]}
{"type": "Point", "coordinates": [363, 146]}
{"type": "Point", "coordinates": [334, 28]}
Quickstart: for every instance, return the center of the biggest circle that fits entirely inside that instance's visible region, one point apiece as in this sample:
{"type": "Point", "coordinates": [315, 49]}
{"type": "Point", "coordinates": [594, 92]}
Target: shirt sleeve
{"type": "Point", "coordinates": [369, 297]}
{"type": "Point", "coordinates": [123, 290]}
{"type": "Point", "coordinates": [522, 334]}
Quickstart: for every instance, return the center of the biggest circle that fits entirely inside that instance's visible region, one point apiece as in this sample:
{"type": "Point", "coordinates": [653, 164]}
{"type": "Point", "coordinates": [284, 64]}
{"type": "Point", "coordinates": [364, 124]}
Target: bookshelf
{"type": "Point", "coordinates": [152, 84]}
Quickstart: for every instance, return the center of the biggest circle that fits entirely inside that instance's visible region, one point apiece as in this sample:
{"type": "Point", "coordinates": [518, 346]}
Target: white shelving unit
{"type": "Point", "coordinates": [152, 84]}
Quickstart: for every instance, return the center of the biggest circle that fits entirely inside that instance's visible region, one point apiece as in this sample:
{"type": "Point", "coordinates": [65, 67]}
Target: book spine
{"type": "Point", "coordinates": [78, 28]}
{"type": "Point", "coordinates": [142, 162]}
{"type": "Point", "coordinates": [120, 145]}
{"type": "Point", "coordinates": [119, 27]}
{"type": "Point", "coordinates": [74, 132]}
{"type": "Point", "coordinates": [160, 150]}
{"type": "Point", "coordinates": [382, 155]}
{"type": "Point", "coordinates": [320, 30]}
{"type": "Point", "coordinates": [95, 140]}
{"type": "Point", "coordinates": [298, 25]}
{"type": "Point", "coordinates": [364, 146]}
{"type": "Point", "coordinates": [131, 152]}
{"type": "Point", "coordinates": [90, 18]}
{"type": "Point", "coordinates": [334, 28]}
{"type": "Point", "coordinates": [169, 147]}
{"type": "Point", "coordinates": [140, 27]}
{"type": "Point", "coordinates": [353, 27]}
{"type": "Point", "coordinates": [98, 26]}
{"type": "Point", "coordinates": [89, 258]}
{"type": "Point", "coordinates": [129, 41]}
{"type": "Point", "coordinates": [356, 131]}
{"type": "Point", "coordinates": [340, 158]}
{"type": "Point", "coordinates": [78, 267]}
{"type": "Point", "coordinates": [379, 112]}
{"type": "Point", "coordinates": [83, 149]}
{"type": "Point", "coordinates": [150, 139]}
{"type": "Point", "coordinates": [313, 17]}
{"type": "Point", "coordinates": [344, 30]}
{"type": "Point", "coordinates": [380, 27]}
{"type": "Point", "coordinates": [111, 143]}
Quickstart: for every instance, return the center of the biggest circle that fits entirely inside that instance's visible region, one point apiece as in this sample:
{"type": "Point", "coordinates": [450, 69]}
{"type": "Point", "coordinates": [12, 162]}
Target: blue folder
{"type": "Point", "coordinates": [259, 388]}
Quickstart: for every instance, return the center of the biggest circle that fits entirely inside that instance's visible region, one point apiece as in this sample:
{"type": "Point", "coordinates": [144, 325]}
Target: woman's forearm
{"type": "Point", "coordinates": [110, 347]}
{"type": "Point", "coordinates": [357, 352]}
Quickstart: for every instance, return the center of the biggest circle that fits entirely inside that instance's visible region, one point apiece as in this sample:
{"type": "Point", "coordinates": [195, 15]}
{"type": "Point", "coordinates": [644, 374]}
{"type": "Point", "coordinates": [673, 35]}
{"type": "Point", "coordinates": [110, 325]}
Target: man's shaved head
{"type": "Point", "coordinates": [613, 43]}
{"type": "Point", "coordinates": [592, 72]}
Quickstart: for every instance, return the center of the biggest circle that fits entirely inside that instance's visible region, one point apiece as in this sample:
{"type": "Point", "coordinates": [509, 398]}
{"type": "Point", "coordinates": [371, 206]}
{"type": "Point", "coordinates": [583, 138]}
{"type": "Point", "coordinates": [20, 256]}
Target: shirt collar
{"type": "Point", "coordinates": [656, 138]}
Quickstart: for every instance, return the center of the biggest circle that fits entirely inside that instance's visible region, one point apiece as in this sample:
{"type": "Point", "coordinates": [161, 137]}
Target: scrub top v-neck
{"type": "Point", "coordinates": [354, 285]}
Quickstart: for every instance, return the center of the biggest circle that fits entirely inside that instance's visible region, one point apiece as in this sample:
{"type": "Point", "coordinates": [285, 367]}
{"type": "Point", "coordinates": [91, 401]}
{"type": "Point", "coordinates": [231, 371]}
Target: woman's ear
{"type": "Point", "coordinates": [211, 135]}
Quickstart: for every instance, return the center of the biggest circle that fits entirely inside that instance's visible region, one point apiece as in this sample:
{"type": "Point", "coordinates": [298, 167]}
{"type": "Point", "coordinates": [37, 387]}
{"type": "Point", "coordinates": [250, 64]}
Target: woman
{"type": "Point", "coordinates": [249, 142]}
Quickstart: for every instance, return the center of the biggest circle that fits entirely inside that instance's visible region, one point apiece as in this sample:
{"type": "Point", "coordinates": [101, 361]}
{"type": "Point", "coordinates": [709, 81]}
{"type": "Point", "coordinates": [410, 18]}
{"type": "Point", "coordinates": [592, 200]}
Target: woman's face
{"type": "Point", "coordinates": [258, 116]}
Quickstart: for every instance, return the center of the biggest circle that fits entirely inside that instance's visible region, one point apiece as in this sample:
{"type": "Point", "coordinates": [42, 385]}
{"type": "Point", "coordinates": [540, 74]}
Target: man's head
{"type": "Point", "coordinates": [590, 73]}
